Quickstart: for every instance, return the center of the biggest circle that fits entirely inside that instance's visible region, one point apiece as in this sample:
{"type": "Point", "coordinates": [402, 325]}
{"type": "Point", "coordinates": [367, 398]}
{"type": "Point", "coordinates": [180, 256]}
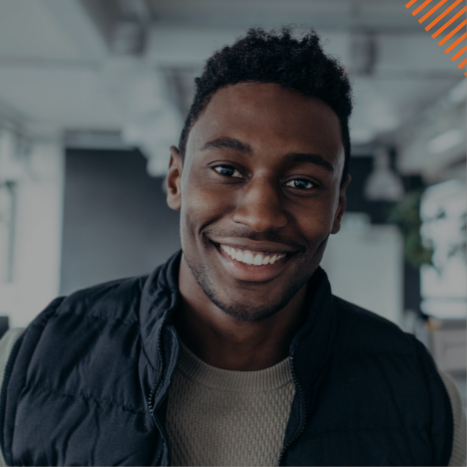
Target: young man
{"type": "Point", "coordinates": [235, 352]}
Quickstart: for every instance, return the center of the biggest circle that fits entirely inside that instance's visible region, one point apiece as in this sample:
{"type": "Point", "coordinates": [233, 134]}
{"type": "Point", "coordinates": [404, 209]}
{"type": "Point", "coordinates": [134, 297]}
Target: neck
{"type": "Point", "coordinates": [224, 341]}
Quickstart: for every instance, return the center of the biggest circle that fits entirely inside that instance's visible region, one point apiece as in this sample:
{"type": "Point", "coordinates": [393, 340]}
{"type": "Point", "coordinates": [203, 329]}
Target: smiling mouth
{"type": "Point", "coordinates": [253, 266]}
{"type": "Point", "coordinates": [252, 258]}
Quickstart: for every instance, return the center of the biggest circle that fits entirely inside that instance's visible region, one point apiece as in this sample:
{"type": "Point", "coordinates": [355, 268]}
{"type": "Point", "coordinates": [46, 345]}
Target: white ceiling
{"type": "Point", "coordinates": [57, 71]}
{"type": "Point", "coordinates": [328, 14]}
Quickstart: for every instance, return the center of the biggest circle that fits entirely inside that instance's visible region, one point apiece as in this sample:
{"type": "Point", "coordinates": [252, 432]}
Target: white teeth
{"type": "Point", "coordinates": [258, 260]}
{"type": "Point", "coordinates": [251, 257]}
{"type": "Point", "coordinates": [248, 258]}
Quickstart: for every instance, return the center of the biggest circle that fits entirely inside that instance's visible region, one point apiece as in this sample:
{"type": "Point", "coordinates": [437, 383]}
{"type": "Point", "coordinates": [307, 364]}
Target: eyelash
{"type": "Point", "coordinates": [313, 185]}
{"type": "Point", "coordinates": [229, 167]}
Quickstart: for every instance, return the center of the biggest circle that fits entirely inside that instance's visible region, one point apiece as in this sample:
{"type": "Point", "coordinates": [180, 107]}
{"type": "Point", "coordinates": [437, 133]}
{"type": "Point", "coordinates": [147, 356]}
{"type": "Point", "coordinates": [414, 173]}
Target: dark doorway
{"type": "Point", "coordinates": [116, 220]}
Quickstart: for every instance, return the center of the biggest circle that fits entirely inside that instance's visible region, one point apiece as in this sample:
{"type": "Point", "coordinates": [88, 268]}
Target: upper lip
{"type": "Point", "coordinates": [253, 245]}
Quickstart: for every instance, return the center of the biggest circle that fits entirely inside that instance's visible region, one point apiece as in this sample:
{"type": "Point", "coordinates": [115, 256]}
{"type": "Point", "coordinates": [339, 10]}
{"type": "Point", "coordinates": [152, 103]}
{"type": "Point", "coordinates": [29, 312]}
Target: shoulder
{"type": "Point", "coordinates": [365, 330]}
{"type": "Point", "coordinates": [365, 340]}
{"type": "Point", "coordinates": [359, 316]}
{"type": "Point", "coordinates": [113, 299]}
{"type": "Point", "coordinates": [95, 329]}
{"type": "Point", "coordinates": [116, 300]}
{"type": "Point", "coordinates": [85, 326]}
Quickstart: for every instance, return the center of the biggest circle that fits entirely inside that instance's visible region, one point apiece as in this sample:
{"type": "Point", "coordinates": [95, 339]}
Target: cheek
{"type": "Point", "coordinates": [204, 202]}
{"type": "Point", "coordinates": [316, 220]}
{"type": "Point", "coordinates": [200, 207]}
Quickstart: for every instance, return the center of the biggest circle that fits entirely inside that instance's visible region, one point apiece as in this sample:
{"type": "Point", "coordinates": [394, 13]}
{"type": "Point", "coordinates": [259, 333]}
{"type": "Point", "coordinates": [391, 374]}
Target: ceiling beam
{"type": "Point", "coordinates": [78, 26]}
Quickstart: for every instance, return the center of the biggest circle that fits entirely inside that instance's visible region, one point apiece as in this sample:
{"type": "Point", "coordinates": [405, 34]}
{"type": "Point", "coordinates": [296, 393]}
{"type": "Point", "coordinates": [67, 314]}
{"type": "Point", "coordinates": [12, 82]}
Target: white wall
{"type": "Point", "coordinates": [364, 265]}
{"type": "Point", "coordinates": [36, 260]}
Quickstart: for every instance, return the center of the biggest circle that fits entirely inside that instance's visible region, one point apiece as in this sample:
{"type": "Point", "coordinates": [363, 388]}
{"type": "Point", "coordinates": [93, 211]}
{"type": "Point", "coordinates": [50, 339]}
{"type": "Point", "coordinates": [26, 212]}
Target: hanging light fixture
{"type": "Point", "coordinates": [383, 184]}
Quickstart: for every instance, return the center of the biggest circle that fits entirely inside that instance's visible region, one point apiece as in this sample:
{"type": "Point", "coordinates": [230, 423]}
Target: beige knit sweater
{"type": "Point", "coordinates": [222, 417]}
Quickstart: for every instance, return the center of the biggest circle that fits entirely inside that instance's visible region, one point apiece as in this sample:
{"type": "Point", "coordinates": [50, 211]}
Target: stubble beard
{"type": "Point", "coordinates": [242, 310]}
{"type": "Point", "coordinates": [245, 311]}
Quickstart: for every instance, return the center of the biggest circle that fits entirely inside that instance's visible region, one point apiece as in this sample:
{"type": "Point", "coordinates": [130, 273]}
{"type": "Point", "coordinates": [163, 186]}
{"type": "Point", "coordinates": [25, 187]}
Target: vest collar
{"type": "Point", "coordinates": [160, 296]}
{"type": "Point", "coordinates": [310, 348]}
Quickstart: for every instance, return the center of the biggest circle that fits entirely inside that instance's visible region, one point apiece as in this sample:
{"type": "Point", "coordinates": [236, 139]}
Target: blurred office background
{"type": "Point", "coordinates": [93, 93]}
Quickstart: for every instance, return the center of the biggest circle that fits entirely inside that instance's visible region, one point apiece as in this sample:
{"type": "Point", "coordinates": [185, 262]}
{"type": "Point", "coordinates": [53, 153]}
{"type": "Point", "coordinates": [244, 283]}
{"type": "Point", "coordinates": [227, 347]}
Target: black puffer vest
{"type": "Point", "coordinates": [87, 383]}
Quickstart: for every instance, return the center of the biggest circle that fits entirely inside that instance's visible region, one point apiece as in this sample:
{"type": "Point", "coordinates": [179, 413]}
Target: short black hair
{"type": "Point", "coordinates": [276, 57]}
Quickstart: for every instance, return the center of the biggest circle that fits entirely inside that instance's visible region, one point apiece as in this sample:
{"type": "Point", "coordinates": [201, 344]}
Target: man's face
{"type": "Point", "coordinates": [259, 193]}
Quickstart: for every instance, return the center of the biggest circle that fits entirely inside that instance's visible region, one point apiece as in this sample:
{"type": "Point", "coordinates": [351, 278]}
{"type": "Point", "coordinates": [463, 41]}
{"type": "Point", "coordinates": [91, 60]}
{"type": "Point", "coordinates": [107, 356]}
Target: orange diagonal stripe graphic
{"type": "Point", "coordinates": [440, 4]}
{"type": "Point", "coordinates": [443, 14]}
{"type": "Point", "coordinates": [458, 54]}
{"type": "Point", "coordinates": [453, 32]}
{"type": "Point", "coordinates": [421, 7]}
{"type": "Point", "coordinates": [456, 40]}
{"type": "Point", "coordinates": [456, 43]}
{"type": "Point", "coordinates": [448, 23]}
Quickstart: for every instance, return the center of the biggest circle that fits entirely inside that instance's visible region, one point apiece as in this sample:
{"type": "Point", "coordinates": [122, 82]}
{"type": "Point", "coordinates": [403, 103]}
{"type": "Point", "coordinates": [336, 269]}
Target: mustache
{"type": "Point", "coordinates": [244, 232]}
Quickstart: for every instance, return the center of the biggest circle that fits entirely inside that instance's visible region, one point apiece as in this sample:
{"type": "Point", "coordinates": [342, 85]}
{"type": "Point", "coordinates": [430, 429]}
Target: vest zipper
{"type": "Point", "coordinates": [302, 424]}
{"type": "Point", "coordinates": [159, 455]}
{"type": "Point", "coordinates": [161, 373]}
{"type": "Point", "coordinates": [152, 394]}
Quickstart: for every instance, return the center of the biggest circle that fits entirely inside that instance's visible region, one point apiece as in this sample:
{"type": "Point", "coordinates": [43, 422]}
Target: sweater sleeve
{"type": "Point", "coordinates": [458, 456]}
{"type": "Point", "coordinates": [6, 345]}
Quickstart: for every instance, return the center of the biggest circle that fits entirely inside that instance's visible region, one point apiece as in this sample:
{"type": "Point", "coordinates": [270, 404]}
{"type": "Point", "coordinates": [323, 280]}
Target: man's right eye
{"type": "Point", "coordinates": [227, 171]}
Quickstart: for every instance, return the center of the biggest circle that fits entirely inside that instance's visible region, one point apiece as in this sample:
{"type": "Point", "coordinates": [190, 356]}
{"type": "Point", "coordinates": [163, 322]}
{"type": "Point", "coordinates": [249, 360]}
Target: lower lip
{"type": "Point", "coordinates": [250, 273]}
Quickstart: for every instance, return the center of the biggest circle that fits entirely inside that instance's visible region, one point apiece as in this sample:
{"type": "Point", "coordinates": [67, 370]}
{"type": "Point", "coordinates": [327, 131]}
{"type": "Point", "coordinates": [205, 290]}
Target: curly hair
{"type": "Point", "coordinates": [272, 57]}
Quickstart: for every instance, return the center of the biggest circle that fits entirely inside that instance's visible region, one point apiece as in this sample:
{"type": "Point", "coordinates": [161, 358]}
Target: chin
{"type": "Point", "coordinates": [249, 308]}
{"type": "Point", "coordinates": [246, 311]}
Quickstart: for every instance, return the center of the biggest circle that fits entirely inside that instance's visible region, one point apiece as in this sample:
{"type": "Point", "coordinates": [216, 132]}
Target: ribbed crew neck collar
{"type": "Point", "coordinates": [268, 379]}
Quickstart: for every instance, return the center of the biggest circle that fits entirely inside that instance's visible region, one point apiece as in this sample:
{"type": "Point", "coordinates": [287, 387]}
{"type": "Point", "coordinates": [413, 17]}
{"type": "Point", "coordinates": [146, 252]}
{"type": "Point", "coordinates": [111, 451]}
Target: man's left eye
{"type": "Point", "coordinates": [300, 183]}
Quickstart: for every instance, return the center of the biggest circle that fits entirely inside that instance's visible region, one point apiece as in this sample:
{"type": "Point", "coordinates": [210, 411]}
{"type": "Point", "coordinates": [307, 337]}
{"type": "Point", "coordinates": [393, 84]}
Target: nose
{"type": "Point", "coordinates": [259, 206]}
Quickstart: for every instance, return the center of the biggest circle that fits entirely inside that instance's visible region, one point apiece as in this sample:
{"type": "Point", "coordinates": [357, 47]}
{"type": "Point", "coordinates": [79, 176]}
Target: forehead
{"type": "Point", "coordinates": [265, 115]}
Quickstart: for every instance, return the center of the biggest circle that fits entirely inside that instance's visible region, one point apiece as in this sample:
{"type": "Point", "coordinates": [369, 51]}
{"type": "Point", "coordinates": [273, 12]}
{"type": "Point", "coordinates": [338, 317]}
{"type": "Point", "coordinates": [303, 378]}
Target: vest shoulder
{"type": "Point", "coordinates": [369, 331]}
{"type": "Point", "coordinates": [113, 299]}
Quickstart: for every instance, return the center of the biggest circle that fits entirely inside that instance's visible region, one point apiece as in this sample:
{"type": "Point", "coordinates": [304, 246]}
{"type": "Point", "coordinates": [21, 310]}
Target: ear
{"type": "Point", "coordinates": [173, 180]}
{"type": "Point", "coordinates": [336, 226]}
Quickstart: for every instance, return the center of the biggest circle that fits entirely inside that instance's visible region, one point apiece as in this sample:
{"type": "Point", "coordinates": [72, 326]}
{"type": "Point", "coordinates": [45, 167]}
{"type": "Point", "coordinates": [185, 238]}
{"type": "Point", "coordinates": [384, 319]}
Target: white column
{"type": "Point", "coordinates": [37, 238]}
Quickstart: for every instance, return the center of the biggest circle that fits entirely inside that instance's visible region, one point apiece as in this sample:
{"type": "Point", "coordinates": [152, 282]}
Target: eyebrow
{"type": "Point", "coordinates": [228, 143]}
{"type": "Point", "coordinates": [298, 157]}
{"type": "Point", "coordinates": [292, 157]}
